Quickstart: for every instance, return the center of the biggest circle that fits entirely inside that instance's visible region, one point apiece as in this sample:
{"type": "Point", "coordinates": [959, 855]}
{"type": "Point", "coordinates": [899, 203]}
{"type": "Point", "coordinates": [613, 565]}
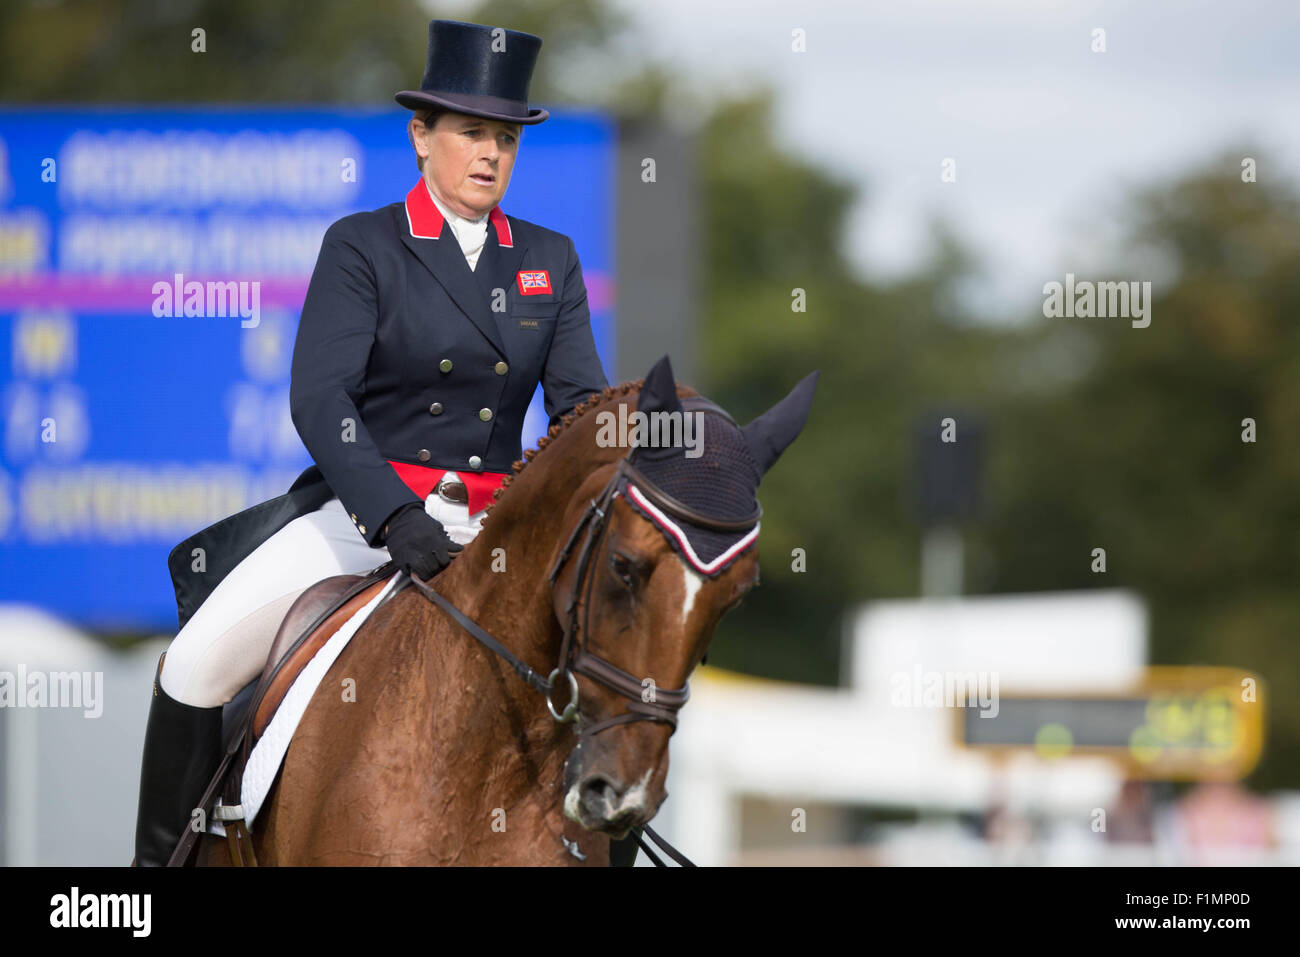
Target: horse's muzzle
{"type": "Point", "coordinates": [599, 804]}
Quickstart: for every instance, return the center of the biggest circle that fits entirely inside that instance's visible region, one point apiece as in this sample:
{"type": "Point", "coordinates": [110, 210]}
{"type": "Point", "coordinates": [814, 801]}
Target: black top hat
{"type": "Point", "coordinates": [466, 74]}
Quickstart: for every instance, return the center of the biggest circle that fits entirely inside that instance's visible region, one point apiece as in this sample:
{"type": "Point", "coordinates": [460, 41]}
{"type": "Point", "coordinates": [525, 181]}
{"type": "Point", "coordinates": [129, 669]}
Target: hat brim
{"type": "Point", "coordinates": [420, 100]}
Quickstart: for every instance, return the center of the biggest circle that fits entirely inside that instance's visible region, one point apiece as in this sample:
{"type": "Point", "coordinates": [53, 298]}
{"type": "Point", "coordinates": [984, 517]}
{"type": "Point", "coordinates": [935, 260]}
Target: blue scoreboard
{"type": "Point", "coordinates": [125, 431]}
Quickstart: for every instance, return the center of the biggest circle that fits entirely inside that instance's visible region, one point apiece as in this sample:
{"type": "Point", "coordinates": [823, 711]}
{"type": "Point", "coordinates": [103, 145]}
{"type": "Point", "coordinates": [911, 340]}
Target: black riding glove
{"type": "Point", "coordinates": [417, 542]}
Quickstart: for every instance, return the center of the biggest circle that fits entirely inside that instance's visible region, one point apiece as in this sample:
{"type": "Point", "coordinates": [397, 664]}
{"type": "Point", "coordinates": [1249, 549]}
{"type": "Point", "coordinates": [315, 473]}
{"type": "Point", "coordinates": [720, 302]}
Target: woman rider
{"type": "Point", "coordinates": [426, 328]}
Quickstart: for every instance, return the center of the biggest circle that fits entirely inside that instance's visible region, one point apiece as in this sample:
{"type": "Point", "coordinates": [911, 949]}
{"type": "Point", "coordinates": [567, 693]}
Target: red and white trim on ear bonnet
{"type": "Point", "coordinates": [721, 482]}
{"type": "Point", "coordinates": [681, 540]}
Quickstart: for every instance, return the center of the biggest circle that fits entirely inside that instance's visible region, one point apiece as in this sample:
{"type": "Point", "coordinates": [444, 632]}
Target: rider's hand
{"type": "Point", "coordinates": [417, 542]}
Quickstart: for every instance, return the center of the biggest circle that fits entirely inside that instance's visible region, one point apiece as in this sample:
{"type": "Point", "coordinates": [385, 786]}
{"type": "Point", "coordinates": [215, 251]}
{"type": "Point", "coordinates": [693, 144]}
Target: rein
{"type": "Point", "coordinates": [575, 659]}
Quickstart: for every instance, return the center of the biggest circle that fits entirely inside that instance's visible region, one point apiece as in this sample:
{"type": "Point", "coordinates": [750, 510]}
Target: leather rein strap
{"type": "Point", "coordinates": [521, 668]}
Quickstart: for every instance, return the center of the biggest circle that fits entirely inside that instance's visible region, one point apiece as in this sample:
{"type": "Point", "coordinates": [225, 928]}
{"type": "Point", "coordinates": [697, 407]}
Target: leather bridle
{"type": "Point", "coordinates": [575, 656]}
{"type": "Point", "coordinates": [644, 703]}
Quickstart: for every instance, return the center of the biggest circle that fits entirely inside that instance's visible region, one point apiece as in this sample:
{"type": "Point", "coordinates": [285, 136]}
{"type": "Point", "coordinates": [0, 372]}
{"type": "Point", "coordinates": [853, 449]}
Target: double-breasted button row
{"type": "Point", "coordinates": [475, 462]}
{"type": "Point", "coordinates": [500, 368]}
{"type": "Point", "coordinates": [484, 414]}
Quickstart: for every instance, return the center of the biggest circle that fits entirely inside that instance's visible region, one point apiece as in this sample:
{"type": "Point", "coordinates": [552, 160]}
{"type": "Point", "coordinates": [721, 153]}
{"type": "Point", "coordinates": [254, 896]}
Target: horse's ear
{"type": "Point", "coordinates": [770, 434]}
{"type": "Point", "coordinates": [659, 390]}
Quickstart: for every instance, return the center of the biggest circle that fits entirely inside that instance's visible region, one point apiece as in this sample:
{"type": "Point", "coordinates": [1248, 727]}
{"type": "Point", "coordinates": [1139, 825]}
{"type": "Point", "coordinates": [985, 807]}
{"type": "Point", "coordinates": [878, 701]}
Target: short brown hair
{"type": "Point", "coordinates": [429, 117]}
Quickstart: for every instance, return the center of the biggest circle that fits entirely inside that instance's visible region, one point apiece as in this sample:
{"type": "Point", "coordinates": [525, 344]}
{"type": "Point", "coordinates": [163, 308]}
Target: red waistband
{"type": "Point", "coordinates": [421, 479]}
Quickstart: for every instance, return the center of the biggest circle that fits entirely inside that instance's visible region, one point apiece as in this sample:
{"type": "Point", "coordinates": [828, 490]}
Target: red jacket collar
{"type": "Point", "coordinates": [425, 220]}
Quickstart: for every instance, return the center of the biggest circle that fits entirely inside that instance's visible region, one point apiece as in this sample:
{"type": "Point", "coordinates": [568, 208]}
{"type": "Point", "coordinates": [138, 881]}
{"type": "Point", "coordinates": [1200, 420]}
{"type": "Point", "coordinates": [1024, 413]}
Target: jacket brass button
{"type": "Point", "coordinates": [445, 365]}
{"type": "Point", "coordinates": [475, 462]}
{"type": "Point", "coordinates": [485, 414]}
{"type": "Point", "coordinates": [363, 529]}
{"type": "Point", "coordinates": [501, 368]}
{"type": "Point", "coordinates": [435, 409]}
{"type": "Point", "coordinates": [423, 455]}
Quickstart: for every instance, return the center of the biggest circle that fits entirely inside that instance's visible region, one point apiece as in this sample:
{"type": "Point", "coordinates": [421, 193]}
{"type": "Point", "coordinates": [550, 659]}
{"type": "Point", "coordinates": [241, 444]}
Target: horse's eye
{"type": "Point", "coordinates": [623, 569]}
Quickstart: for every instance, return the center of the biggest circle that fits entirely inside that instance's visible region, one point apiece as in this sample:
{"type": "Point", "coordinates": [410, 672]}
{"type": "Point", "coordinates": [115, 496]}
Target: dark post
{"type": "Point", "coordinates": [949, 470]}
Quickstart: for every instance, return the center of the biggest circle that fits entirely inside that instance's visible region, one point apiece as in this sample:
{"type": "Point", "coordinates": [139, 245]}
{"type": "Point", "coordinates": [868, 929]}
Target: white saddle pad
{"type": "Point", "coordinates": [268, 753]}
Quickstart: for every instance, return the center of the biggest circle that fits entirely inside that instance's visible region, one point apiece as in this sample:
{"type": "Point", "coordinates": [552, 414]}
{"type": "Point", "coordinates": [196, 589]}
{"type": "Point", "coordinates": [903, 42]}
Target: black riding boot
{"type": "Point", "coordinates": [182, 749]}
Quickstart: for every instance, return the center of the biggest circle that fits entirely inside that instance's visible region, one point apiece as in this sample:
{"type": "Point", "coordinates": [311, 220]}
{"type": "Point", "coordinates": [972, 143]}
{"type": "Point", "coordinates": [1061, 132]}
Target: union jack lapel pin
{"type": "Point", "coordinates": [534, 282]}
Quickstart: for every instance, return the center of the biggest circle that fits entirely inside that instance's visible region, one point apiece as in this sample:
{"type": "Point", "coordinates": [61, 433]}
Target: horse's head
{"type": "Point", "coordinates": [663, 547]}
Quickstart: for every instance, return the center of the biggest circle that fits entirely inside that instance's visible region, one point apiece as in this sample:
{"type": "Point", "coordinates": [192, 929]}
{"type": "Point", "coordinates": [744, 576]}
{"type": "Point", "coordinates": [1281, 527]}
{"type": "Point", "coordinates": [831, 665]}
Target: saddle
{"type": "Point", "coordinates": [311, 621]}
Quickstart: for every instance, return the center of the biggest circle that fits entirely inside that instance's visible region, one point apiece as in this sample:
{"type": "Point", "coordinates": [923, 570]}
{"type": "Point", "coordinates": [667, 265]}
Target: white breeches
{"type": "Point", "coordinates": [225, 644]}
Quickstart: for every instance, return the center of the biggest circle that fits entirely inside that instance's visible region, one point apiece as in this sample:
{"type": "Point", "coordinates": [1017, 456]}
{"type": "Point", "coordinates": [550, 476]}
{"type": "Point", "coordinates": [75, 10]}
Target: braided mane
{"type": "Point", "coordinates": [566, 421]}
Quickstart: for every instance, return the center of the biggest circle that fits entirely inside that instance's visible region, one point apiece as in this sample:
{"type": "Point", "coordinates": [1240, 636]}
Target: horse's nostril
{"type": "Point", "coordinates": [599, 793]}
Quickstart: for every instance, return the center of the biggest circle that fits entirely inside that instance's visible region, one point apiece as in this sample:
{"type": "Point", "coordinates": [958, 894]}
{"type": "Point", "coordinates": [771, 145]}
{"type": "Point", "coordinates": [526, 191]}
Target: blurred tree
{"type": "Point", "coordinates": [774, 225]}
{"type": "Point", "coordinates": [138, 51]}
{"type": "Point", "coordinates": [1138, 447]}
{"type": "Point", "coordinates": [322, 51]}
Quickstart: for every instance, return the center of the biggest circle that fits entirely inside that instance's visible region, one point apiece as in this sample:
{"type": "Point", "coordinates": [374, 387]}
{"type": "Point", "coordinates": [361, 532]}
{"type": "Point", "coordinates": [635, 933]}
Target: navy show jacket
{"type": "Point", "coordinates": [406, 354]}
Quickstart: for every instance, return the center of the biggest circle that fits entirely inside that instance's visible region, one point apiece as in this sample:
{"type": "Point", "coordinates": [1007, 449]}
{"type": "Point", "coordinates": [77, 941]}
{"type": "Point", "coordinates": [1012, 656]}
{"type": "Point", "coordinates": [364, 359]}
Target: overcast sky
{"type": "Point", "coordinates": [1046, 134]}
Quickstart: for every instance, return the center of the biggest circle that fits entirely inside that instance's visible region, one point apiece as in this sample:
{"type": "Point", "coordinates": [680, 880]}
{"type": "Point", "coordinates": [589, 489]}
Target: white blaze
{"type": "Point", "coordinates": [693, 581]}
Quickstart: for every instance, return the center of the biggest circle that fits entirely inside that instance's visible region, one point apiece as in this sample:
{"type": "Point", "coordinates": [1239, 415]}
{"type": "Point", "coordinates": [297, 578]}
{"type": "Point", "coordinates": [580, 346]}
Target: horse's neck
{"type": "Point", "coordinates": [501, 580]}
{"type": "Point", "coordinates": [507, 564]}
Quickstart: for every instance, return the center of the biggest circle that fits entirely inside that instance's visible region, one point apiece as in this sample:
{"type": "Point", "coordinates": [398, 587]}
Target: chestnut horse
{"type": "Point", "coordinates": [441, 754]}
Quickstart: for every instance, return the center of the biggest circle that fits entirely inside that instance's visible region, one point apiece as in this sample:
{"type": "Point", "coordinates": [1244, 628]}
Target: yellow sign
{"type": "Point", "coordinates": [1177, 724]}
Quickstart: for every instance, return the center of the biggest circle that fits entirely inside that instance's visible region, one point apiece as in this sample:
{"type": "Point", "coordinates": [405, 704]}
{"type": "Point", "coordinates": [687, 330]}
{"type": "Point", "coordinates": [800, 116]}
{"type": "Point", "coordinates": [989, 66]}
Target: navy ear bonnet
{"type": "Point", "coordinates": [720, 481]}
{"type": "Point", "coordinates": [703, 470]}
